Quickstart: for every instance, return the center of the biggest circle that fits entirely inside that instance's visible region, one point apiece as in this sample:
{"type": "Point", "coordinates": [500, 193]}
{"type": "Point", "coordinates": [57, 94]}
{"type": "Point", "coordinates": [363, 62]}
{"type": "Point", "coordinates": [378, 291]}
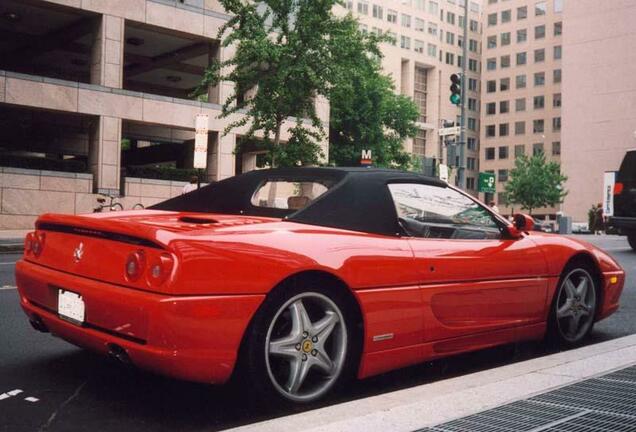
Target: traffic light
{"type": "Point", "coordinates": [456, 89]}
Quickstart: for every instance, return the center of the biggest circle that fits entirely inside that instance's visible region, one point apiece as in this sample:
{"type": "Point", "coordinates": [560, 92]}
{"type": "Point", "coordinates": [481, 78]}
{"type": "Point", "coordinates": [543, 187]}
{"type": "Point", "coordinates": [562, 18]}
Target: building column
{"type": "Point", "coordinates": [221, 158]}
{"type": "Point", "coordinates": [107, 55]}
{"type": "Point", "coordinates": [214, 92]}
{"type": "Point", "coordinates": [104, 155]}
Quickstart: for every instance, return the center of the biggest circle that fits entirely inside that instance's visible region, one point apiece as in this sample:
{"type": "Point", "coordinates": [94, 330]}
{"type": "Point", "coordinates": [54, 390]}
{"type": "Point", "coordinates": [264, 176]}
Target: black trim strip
{"type": "Point", "coordinates": [88, 325]}
{"type": "Point", "coordinates": [107, 235]}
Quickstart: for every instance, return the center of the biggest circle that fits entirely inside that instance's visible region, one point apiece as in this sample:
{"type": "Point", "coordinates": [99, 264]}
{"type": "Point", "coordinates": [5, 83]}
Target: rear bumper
{"type": "Point", "coordinates": [624, 223]}
{"type": "Point", "coordinates": [191, 338]}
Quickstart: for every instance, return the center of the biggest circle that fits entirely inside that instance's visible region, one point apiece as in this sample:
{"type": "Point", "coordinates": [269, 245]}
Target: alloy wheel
{"type": "Point", "coordinates": [576, 305]}
{"type": "Point", "coordinates": [306, 347]}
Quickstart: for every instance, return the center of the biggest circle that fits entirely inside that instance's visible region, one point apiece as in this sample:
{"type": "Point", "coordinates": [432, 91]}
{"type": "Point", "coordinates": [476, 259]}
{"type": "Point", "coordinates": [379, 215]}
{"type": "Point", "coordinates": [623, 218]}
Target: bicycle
{"type": "Point", "coordinates": [113, 205]}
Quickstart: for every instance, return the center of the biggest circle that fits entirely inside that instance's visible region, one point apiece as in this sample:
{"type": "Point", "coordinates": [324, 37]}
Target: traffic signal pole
{"type": "Point", "coordinates": [461, 171]}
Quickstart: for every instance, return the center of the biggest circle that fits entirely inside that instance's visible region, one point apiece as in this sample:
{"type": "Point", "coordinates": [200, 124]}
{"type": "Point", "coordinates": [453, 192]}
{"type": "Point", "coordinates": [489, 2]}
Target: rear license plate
{"type": "Point", "coordinates": [70, 306]}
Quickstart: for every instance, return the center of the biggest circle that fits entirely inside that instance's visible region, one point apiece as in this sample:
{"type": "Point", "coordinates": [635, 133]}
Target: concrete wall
{"type": "Point", "coordinates": [599, 96]}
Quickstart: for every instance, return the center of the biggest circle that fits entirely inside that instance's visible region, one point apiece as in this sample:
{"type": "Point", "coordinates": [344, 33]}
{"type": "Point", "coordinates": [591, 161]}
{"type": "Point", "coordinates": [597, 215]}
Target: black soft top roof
{"type": "Point", "coordinates": [357, 200]}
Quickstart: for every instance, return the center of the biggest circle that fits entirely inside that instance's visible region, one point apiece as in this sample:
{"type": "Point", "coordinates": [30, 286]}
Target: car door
{"type": "Point", "coordinates": [473, 278]}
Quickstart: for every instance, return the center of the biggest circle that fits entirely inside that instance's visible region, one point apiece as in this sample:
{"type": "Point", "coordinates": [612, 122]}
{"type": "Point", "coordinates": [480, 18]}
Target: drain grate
{"type": "Point", "coordinates": [604, 404]}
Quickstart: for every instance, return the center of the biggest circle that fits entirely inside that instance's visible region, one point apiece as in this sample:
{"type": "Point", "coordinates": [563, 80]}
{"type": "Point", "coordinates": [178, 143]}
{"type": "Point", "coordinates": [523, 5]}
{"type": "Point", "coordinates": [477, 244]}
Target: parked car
{"type": "Point", "coordinates": [580, 228]}
{"type": "Point", "coordinates": [297, 279]}
{"type": "Point", "coordinates": [624, 219]}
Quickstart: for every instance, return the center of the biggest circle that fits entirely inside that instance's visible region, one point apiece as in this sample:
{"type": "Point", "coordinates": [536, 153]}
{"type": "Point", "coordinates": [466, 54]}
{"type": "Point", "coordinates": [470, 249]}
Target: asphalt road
{"type": "Point", "coordinates": [78, 391]}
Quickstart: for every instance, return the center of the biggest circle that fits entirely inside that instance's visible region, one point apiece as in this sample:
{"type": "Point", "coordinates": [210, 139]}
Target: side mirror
{"type": "Point", "coordinates": [521, 223]}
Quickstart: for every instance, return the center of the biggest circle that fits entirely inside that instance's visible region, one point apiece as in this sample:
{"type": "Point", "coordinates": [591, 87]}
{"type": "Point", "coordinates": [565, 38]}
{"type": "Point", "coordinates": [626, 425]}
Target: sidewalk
{"type": "Point", "coordinates": [567, 391]}
{"type": "Point", "coordinates": [12, 240]}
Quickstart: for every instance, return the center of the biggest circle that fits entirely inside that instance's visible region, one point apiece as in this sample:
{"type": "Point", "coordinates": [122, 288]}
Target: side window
{"type": "Point", "coordinates": [438, 212]}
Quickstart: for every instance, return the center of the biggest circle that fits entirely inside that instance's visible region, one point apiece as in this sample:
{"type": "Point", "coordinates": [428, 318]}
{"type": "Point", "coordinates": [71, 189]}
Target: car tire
{"type": "Point", "coordinates": [631, 239]}
{"type": "Point", "coordinates": [574, 307]}
{"type": "Point", "coordinates": [298, 347]}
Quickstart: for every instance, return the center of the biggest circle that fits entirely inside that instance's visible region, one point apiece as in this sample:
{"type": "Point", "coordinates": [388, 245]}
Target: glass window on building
{"type": "Point", "coordinates": [450, 38]}
{"type": "Point", "coordinates": [539, 55]}
{"type": "Point", "coordinates": [520, 150]}
{"type": "Point", "coordinates": [419, 143]}
{"type": "Point", "coordinates": [504, 107]}
{"type": "Point", "coordinates": [521, 58]}
{"type": "Point", "coordinates": [363, 7]}
{"type": "Point", "coordinates": [405, 42]}
{"type": "Point", "coordinates": [522, 35]}
{"type": "Point", "coordinates": [491, 131]}
{"type": "Point", "coordinates": [556, 76]}
{"type": "Point", "coordinates": [556, 148]}
{"type": "Point", "coordinates": [474, 26]}
{"type": "Point", "coordinates": [433, 7]}
{"type": "Point", "coordinates": [501, 199]}
{"type": "Point", "coordinates": [491, 64]}
{"type": "Point", "coordinates": [492, 19]}
{"type": "Point", "coordinates": [539, 32]}
{"type": "Point", "coordinates": [450, 18]}
{"type": "Point", "coordinates": [539, 102]}
{"type": "Point", "coordinates": [503, 129]}
{"type": "Point", "coordinates": [491, 42]}
{"type": "Point", "coordinates": [558, 28]}
{"type": "Point", "coordinates": [505, 61]}
{"type": "Point", "coordinates": [558, 6]}
{"type": "Point", "coordinates": [491, 86]}
{"type": "Point", "coordinates": [503, 152]}
{"type": "Point", "coordinates": [520, 81]}
{"type": "Point", "coordinates": [505, 39]}
{"type": "Point", "coordinates": [471, 143]}
{"type": "Point", "coordinates": [472, 104]}
{"type": "Point", "coordinates": [419, 4]}
{"type": "Point", "coordinates": [418, 46]}
{"type": "Point", "coordinates": [421, 91]}
{"type": "Point", "coordinates": [504, 84]}
{"type": "Point", "coordinates": [460, 21]}
{"type": "Point", "coordinates": [506, 16]}
{"type": "Point", "coordinates": [520, 128]}
{"type": "Point", "coordinates": [502, 174]}
{"type": "Point", "coordinates": [473, 45]}
{"type": "Point", "coordinates": [490, 153]}
{"type": "Point", "coordinates": [432, 29]}
{"type": "Point", "coordinates": [472, 84]}
{"type": "Point", "coordinates": [349, 4]}
{"type": "Point", "coordinates": [556, 100]}
{"type": "Point", "coordinates": [470, 182]}
{"type": "Point", "coordinates": [520, 104]}
{"type": "Point", "coordinates": [472, 124]}
{"type": "Point", "coordinates": [377, 11]}
{"type": "Point", "coordinates": [540, 8]}
{"type": "Point", "coordinates": [522, 12]}
{"type": "Point", "coordinates": [470, 163]}
{"type": "Point", "coordinates": [393, 36]}
{"type": "Point", "coordinates": [556, 124]}
{"type": "Point", "coordinates": [472, 65]}
{"type": "Point", "coordinates": [538, 126]}
{"type": "Point", "coordinates": [406, 21]}
{"type": "Point", "coordinates": [537, 148]}
{"type": "Point", "coordinates": [450, 58]}
{"type": "Point", "coordinates": [432, 50]}
{"type": "Point", "coordinates": [420, 25]}
{"type": "Point", "coordinates": [491, 108]}
{"type": "Point", "coordinates": [558, 52]}
{"type": "Point", "coordinates": [391, 16]}
{"type": "Point", "coordinates": [539, 79]}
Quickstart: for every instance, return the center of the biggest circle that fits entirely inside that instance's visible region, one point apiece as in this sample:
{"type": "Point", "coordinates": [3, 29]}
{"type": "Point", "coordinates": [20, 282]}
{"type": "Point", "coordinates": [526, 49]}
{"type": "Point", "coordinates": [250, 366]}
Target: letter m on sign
{"type": "Point", "coordinates": [365, 159]}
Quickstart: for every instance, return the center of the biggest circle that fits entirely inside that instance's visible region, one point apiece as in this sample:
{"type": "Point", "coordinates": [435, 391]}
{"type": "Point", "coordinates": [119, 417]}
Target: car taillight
{"type": "Point", "coordinates": [135, 265]}
{"type": "Point", "coordinates": [159, 269]}
{"type": "Point", "coordinates": [618, 188]}
{"type": "Point", "coordinates": [37, 243]}
{"type": "Point", "coordinates": [28, 243]}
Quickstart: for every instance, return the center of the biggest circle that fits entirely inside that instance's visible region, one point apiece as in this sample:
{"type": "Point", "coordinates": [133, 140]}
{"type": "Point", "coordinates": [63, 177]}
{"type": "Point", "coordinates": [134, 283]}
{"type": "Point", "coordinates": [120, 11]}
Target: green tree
{"type": "Point", "coordinates": [365, 111]}
{"type": "Point", "coordinates": [534, 182]}
{"type": "Point", "coordinates": [285, 57]}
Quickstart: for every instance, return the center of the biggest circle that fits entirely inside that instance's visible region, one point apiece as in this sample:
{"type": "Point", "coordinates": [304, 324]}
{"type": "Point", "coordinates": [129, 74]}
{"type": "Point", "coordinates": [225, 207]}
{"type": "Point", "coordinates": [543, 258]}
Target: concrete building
{"type": "Point", "coordinates": [427, 50]}
{"type": "Point", "coordinates": [599, 91]}
{"type": "Point", "coordinates": [521, 87]}
{"type": "Point", "coordinates": [101, 90]}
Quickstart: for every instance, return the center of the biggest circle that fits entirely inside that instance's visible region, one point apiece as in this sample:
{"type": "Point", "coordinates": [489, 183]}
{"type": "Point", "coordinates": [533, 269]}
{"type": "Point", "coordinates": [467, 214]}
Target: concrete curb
{"type": "Point", "coordinates": [439, 402]}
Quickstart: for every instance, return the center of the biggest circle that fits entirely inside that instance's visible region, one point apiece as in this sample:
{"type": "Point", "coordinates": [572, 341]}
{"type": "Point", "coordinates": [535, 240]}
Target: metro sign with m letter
{"type": "Point", "coordinates": [365, 158]}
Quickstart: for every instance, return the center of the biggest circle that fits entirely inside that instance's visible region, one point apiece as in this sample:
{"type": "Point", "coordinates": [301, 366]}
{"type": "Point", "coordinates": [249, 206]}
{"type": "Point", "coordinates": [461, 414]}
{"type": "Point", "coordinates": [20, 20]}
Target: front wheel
{"type": "Point", "coordinates": [574, 307]}
{"type": "Point", "coordinates": [116, 207]}
{"type": "Point", "coordinates": [298, 346]}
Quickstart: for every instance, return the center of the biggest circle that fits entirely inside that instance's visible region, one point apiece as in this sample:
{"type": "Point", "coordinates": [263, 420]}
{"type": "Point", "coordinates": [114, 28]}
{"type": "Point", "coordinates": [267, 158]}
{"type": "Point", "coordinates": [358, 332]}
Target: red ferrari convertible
{"type": "Point", "coordinates": [298, 278]}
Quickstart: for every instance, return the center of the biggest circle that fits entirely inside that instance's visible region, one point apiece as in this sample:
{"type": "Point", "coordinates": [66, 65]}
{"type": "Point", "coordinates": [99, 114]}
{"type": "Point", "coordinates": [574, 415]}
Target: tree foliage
{"type": "Point", "coordinates": [534, 182]}
{"type": "Point", "coordinates": [366, 113]}
{"type": "Point", "coordinates": [286, 55]}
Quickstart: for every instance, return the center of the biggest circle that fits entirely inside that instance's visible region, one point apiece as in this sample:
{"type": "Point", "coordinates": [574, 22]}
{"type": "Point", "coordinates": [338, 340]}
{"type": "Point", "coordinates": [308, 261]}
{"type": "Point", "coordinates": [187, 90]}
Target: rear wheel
{"type": "Point", "coordinates": [574, 307]}
{"type": "Point", "coordinates": [298, 347]}
{"type": "Point", "coordinates": [631, 239]}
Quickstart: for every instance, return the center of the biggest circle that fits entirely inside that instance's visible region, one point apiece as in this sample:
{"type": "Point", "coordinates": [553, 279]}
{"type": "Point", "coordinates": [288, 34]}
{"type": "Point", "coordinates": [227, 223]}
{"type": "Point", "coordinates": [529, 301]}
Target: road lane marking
{"type": "Point", "coordinates": [4, 396]}
{"type": "Point", "coordinates": [7, 263]}
{"type": "Point", "coordinates": [7, 287]}
{"type": "Point", "coordinates": [14, 392]}
{"type": "Point", "coordinates": [31, 399]}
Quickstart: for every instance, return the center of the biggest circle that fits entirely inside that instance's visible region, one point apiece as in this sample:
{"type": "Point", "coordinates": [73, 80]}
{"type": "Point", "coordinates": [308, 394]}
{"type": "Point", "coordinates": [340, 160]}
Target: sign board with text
{"type": "Point", "coordinates": [609, 178]}
{"type": "Point", "coordinates": [486, 182]}
{"type": "Point", "coordinates": [365, 158]}
{"type": "Point", "coordinates": [201, 141]}
{"type": "Point", "coordinates": [455, 130]}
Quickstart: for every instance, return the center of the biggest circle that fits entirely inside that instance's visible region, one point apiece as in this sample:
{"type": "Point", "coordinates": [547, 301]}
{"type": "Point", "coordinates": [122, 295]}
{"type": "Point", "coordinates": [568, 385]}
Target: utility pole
{"type": "Point", "coordinates": [461, 171]}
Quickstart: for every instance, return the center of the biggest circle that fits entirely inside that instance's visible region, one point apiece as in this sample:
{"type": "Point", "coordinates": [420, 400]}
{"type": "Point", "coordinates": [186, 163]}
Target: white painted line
{"type": "Point", "coordinates": [7, 287]}
{"type": "Point", "coordinates": [31, 399]}
{"type": "Point", "coordinates": [7, 263]}
{"type": "Point", "coordinates": [14, 392]}
{"type": "Point", "coordinates": [4, 396]}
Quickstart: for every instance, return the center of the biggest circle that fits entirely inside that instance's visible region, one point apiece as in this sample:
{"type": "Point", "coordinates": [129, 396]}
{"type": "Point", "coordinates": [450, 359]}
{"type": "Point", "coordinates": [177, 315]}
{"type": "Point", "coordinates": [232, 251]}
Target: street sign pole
{"type": "Point", "coordinates": [461, 173]}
